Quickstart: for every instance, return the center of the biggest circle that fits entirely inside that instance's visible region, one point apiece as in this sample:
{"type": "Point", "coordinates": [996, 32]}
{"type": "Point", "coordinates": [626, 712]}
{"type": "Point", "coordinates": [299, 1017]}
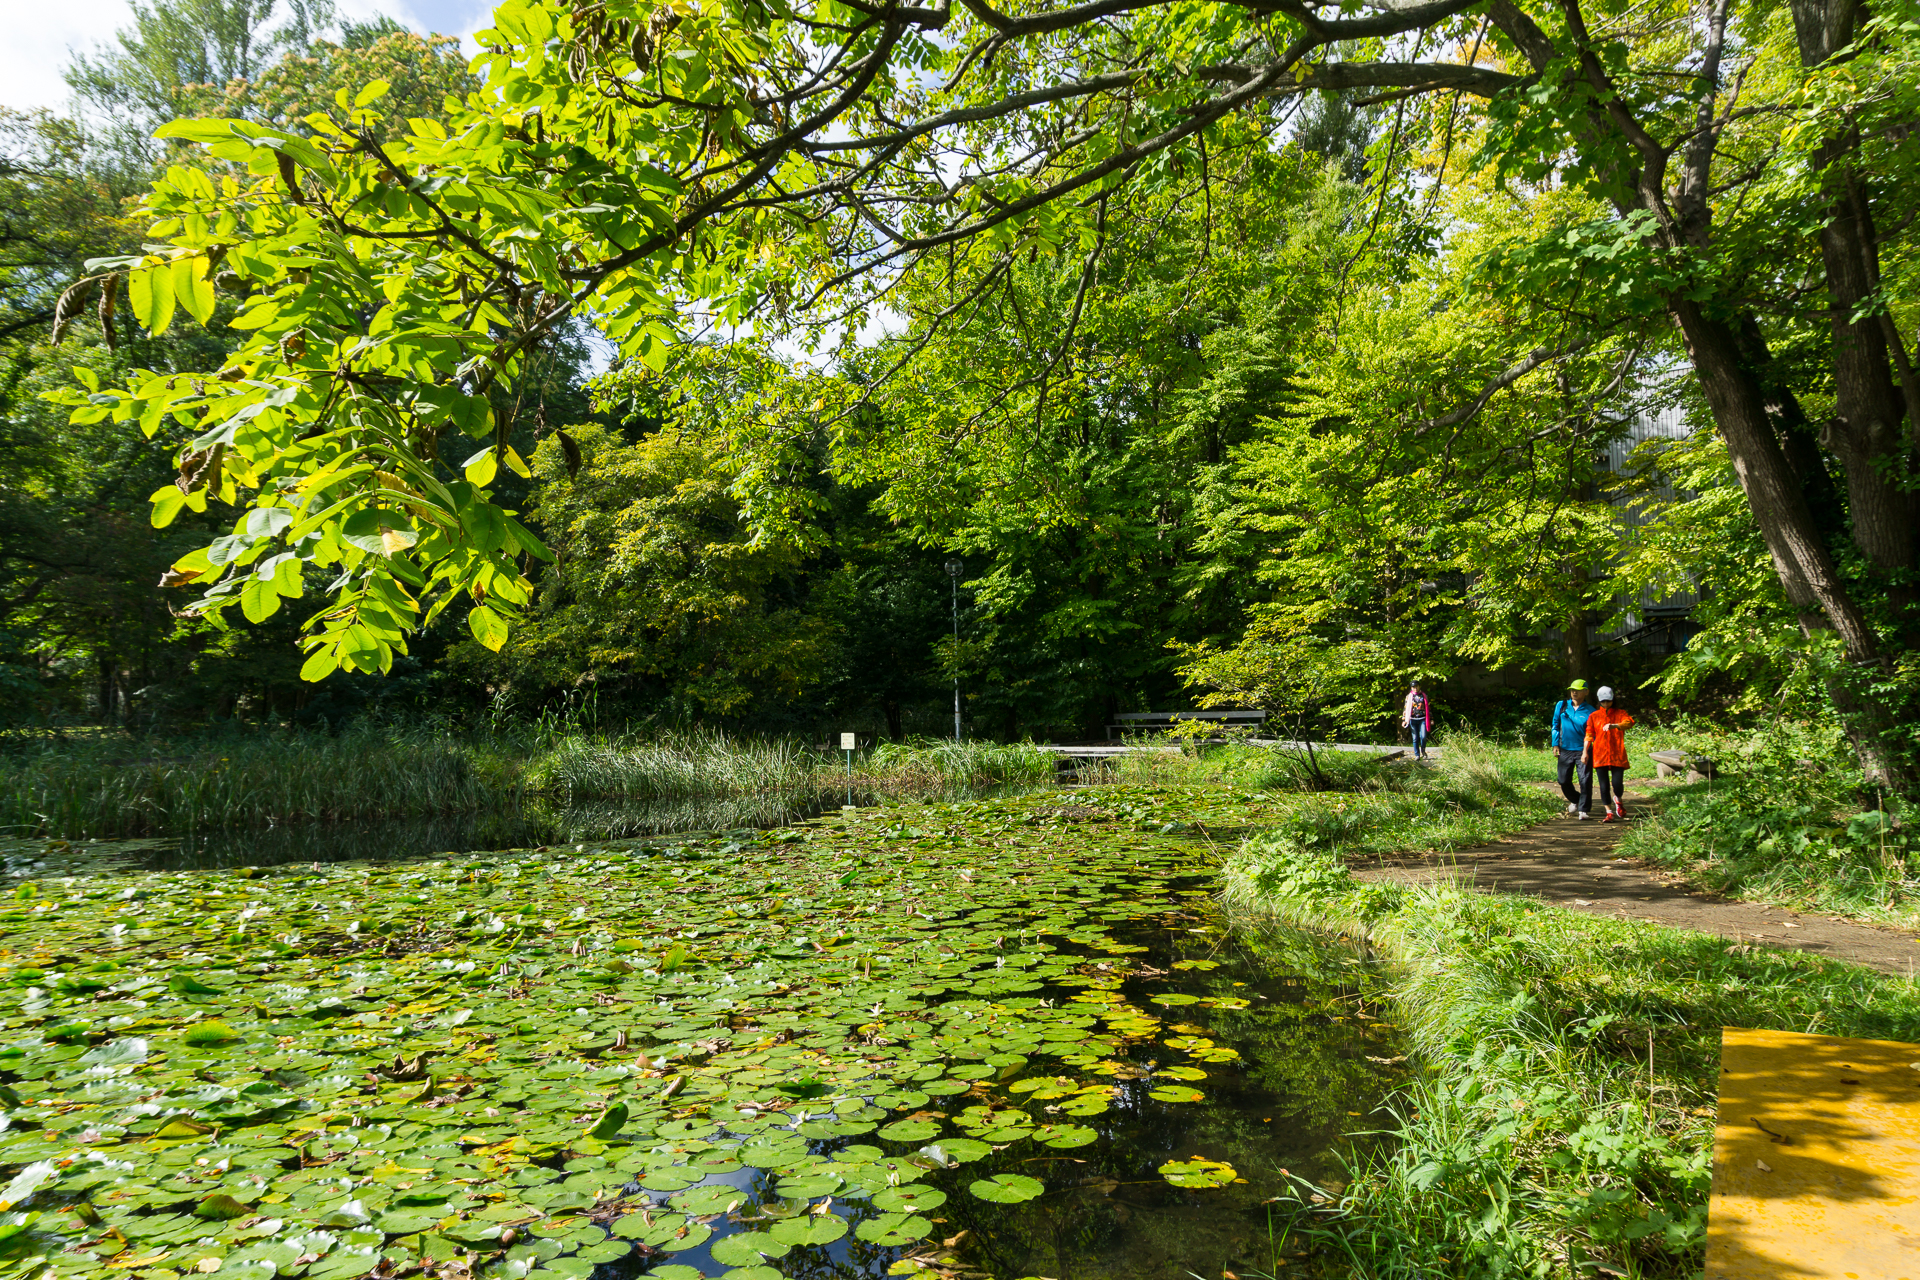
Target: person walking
{"type": "Point", "coordinates": [1416, 717]}
{"type": "Point", "coordinates": [1569, 744]}
{"type": "Point", "coordinates": [1607, 748]}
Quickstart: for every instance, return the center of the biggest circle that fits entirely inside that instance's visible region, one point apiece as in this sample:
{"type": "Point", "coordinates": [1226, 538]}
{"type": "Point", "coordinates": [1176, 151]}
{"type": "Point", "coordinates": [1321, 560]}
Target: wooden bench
{"type": "Point", "coordinates": [1667, 764]}
{"type": "Point", "coordinates": [1161, 721]}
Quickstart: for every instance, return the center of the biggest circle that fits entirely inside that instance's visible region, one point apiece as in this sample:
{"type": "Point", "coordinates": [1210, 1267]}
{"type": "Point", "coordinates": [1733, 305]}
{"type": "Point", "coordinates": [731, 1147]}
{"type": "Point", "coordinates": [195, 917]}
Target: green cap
{"type": "Point", "coordinates": [1578, 684]}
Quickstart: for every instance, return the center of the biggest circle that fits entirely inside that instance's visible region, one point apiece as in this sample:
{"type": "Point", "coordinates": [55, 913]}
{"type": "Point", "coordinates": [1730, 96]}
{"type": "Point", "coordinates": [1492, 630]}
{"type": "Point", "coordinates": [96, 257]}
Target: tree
{"type": "Point", "coordinates": [176, 50]}
{"type": "Point", "coordinates": [648, 166]}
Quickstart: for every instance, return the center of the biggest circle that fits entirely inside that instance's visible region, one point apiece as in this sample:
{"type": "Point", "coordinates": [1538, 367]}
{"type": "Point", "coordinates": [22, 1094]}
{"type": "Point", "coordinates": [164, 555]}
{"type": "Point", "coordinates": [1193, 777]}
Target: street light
{"type": "Point", "coordinates": [954, 569]}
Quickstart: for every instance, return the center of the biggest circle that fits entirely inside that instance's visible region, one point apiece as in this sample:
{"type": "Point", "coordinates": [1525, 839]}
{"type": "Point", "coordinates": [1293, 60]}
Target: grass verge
{"type": "Point", "coordinates": [1561, 1122]}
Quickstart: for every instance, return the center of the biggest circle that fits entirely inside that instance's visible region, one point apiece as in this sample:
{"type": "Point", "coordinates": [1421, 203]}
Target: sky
{"type": "Point", "coordinates": [39, 36]}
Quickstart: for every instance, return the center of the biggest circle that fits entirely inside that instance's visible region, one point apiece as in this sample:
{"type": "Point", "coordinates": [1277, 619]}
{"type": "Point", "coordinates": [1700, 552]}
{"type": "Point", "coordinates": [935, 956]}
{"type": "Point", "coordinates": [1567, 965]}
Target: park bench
{"type": "Point", "coordinates": [1666, 764]}
{"type": "Point", "coordinates": [1161, 721]}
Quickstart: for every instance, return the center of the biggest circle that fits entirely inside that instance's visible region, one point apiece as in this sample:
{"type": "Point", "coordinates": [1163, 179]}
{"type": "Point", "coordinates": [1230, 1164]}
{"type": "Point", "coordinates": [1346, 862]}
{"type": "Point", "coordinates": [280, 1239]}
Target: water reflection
{"type": "Point", "coordinates": [401, 839]}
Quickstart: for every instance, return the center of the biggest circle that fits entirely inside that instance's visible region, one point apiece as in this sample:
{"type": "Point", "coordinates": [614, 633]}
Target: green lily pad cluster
{"type": "Point", "coordinates": [700, 1055]}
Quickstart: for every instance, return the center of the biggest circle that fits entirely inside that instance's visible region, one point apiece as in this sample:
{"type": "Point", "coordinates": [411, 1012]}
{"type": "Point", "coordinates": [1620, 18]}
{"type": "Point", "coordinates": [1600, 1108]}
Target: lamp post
{"type": "Point", "coordinates": [954, 569]}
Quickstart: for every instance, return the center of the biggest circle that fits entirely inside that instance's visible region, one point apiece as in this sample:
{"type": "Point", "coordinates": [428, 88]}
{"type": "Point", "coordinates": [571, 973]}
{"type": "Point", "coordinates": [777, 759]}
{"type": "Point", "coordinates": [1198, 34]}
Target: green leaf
{"type": "Point", "coordinates": [191, 286]}
{"type": "Point", "coordinates": [1007, 1188]}
{"type": "Point", "coordinates": [809, 1228]}
{"type": "Point", "coordinates": [611, 1121]}
{"type": "Point", "coordinates": [488, 627]}
{"type": "Point", "coordinates": [150, 291]}
{"type": "Point", "coordinates": [482, 467]}
{"type": "Point", "coordinates": [747, 1248]}
{"type": "Point", "coordinates": [221, 1206]}
{"type": "Point", "coordinates": [1198, 1173]}
{"type": "Point", "coordinates": [1176, 1093]}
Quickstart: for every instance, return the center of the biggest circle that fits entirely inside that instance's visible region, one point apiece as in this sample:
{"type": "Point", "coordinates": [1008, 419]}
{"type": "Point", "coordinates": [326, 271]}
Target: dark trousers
{"type": "Point", "coordinates": [1613, 784]}
{"type": "Point", "coordinates": [1569, 762]}
{"type": "Point", "coordinates": [1418, 729]}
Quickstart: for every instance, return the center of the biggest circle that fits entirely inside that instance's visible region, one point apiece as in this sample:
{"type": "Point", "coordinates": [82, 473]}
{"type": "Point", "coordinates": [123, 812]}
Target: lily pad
{"type": "Point", "coordinates": [1008, 1188]}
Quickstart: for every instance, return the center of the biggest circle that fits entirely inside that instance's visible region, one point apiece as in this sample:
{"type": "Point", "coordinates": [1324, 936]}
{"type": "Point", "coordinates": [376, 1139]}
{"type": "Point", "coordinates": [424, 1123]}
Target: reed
{"type": "Point", "coordinates": [118, 786]}
{"type": "Point", "coordinates": [122, 787]}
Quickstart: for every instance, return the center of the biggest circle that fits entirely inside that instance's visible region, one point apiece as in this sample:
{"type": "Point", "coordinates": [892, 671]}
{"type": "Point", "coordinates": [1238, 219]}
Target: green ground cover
{"type": "Point", "coordinates": [1563, 1119]}
{"type": "Point", "coordinates": [1787, 820]}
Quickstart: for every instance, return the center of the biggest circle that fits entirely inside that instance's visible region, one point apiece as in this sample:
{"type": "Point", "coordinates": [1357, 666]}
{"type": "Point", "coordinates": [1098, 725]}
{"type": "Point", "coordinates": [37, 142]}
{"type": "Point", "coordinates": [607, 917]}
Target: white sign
{"type": "Point", "coordinates": [846, 741]}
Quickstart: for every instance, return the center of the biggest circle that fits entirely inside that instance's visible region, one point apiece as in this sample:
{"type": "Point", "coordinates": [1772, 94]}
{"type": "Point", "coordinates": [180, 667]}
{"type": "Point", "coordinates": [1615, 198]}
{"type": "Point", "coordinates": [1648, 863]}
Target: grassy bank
{"type": "Point", "coordinates": [123, 786]}
{"type": "Point", "coordinates": [1562, 1121]}
{"type": "Point", "coordinates": [1788, 820]}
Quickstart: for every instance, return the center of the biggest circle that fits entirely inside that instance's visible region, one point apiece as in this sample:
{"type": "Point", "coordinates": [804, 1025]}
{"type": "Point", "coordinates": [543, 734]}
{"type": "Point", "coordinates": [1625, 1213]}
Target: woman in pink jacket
{"type": "Point", "coordinates": [1416, 717]}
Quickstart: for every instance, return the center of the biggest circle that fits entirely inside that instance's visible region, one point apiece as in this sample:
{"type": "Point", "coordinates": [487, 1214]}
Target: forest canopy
{"type": "Point", "coordinates": [1272, 350]}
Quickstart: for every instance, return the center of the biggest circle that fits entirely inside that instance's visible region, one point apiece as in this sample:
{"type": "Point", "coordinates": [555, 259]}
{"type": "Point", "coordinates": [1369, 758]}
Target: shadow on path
{"type": "Point", "coordinates": [1573, 864]}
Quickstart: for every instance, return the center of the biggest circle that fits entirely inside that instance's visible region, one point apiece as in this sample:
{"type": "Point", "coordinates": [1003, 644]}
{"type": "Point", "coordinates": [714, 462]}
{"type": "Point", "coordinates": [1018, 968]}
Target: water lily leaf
{"type": "Point", "coordinates": [958, 1150]}
{"type": "Point", "coordinates": [807, 1186]}
{"type": "Point", "coordinates": [611, 1121]}
{"type": "Point", "coordinates": [403, 1222]}
{"type": "Point", "coordinates": [212, 1031]}
{"type": "Point", "coordinates": [181, 1127]}
{"type": "Point", "coordinates": [1007, 1188]}
{"type": "Point", "coordinates": [910, 1130]}
{"type": "Point", "coordinates": [910, 1199]}
{"type": "Point", "coordinates": [221, 1206]}
{"type": "Point", "coordinates": [1176, 1093]}
{"type": "Point", "coordinates": [673, 1178]}
{"type": "Point", "coordinates": [1198, 1173]}
{"type": "Point", "coordinates": [747, 1248]}
{"type": "Point", "coordinates": [690, 1236]}
{"type": "Point", "coordinates": [345, 1263]}
{"type": "Point", "coordinates": [1175, 998]}
{"type": "Point", "coordinates": [25, 1183]}
{"type": "Point", "coordinates": [809, 1229]}
{"type": "Point", "coordinates": [187, 985]}
{"type": "Point", "coordinates": [1045, 1087]}
{"type": "Point", "coordinates": [118, 1053]}
{"type": "Point", "coordinates": [1182, 1073]}
{"type": "Point", "coordinates": [674, 1271]}
{"type": "Point", "coordinates": [1065, 1136]}
{"type": "Point", "coordinates": [894, 1229]}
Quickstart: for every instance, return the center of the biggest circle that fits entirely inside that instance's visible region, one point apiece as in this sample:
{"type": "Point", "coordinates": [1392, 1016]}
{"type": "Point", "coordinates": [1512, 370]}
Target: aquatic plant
{"type": "Point", "coordinates": [708, 1052]}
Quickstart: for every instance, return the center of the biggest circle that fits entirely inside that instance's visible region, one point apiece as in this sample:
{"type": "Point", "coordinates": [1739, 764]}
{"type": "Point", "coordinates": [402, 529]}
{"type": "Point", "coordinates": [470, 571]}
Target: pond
{"type": "Point", "coordinates": [1007, 1037]}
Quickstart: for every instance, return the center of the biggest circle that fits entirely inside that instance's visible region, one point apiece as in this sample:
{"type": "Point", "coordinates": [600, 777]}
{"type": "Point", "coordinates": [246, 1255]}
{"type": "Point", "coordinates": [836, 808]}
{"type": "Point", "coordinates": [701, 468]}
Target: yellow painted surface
{"type": "Point", "coordinates": [1840, 1197]}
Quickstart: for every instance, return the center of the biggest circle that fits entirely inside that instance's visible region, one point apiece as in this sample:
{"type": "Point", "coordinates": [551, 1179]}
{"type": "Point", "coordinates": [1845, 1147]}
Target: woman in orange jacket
{"type": "Point", "coordinates": [1607, 749]}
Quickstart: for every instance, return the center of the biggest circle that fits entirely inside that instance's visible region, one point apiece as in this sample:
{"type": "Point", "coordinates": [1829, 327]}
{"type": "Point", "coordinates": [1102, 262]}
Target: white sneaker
{"type": "Point", "coordinates": [1573, 808]}
{"type": "Point", "coordinates": [1581, 816]}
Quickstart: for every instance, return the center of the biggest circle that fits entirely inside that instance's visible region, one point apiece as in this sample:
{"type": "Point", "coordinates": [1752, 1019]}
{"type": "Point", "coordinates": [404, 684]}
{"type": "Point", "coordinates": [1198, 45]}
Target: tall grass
{"type": "Point", "coordinates": [108, 787]}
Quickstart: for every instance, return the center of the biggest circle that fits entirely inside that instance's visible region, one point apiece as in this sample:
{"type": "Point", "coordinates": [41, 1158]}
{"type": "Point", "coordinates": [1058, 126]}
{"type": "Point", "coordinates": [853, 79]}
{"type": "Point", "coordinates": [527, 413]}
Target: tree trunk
{"type": "Point", "coordinates": [1579, 656]}
{"type": "Point", "coordinates": [1814, 587]}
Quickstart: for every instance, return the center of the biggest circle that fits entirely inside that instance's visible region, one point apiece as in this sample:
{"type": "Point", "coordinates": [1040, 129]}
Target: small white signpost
{"type": "Point", "coordinates": [846, 744]}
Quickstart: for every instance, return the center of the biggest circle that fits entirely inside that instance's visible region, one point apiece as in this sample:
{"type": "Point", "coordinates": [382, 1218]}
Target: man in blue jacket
{"type": "Point", "coordinates": [1569, 742]}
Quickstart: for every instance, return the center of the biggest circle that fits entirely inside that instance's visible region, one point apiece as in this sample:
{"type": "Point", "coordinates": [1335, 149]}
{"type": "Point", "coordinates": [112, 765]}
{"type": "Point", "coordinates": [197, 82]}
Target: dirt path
{"type": "Point", "coordinates": [1573, 864]}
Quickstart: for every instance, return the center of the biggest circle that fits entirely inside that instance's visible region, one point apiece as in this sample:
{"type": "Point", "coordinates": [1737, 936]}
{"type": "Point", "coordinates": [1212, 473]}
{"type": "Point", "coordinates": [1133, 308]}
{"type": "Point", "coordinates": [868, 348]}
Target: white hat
{"type": "Point", "coordinates": [1605, 694]}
